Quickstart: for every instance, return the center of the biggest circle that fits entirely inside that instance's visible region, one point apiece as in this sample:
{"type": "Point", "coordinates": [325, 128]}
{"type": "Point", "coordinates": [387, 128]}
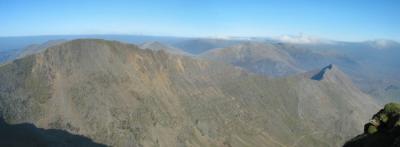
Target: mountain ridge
{"type": "Point", "coordinates": [120, 95]}
{"type": "Point", "coordinates": [257, 57]}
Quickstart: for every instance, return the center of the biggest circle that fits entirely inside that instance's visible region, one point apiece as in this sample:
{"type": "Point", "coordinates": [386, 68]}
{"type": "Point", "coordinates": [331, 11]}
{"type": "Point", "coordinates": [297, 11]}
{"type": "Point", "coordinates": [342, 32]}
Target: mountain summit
{"type": "Point", "coordinates": [331, 73]}
{"type": "Point", "coordinates": [324, 72]}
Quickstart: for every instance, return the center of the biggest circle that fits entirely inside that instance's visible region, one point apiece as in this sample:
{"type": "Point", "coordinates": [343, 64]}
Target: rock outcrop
{"type": "Point", "coordinates": [383, 130]}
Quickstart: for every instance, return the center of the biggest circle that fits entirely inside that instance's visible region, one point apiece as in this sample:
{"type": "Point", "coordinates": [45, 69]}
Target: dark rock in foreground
{"type": "Point", "coordinates": [382, 131]}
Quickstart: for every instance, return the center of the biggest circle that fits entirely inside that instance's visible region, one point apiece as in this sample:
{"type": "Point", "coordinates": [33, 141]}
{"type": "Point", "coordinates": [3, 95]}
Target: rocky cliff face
{"type": "Point", "coordinates": [120, 95]}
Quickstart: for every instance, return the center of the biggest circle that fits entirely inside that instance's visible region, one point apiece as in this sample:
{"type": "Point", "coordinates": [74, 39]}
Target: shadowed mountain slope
{"type": "Point", "coordinates": [23, 135]}
{"type": "Point", "coordinates": [120, 95]}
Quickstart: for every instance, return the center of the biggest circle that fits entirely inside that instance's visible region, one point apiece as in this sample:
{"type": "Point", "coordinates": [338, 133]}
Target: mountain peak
{"type": "Point", "coordinates": [333, 74]}
{"type": "Point", "coordinates": [325, 72]}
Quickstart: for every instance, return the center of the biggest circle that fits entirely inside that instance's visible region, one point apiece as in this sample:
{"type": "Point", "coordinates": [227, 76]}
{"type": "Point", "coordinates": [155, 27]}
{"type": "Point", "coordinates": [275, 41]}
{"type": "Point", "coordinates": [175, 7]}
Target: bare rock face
{"type": "Point", "coordinates": [120, 95]}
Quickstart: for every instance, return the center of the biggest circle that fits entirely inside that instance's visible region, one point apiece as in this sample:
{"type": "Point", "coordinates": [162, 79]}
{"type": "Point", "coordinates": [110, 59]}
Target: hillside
{"type": "Point", "coordinates": [120, 95]}
{"type": "Point", "coordinates": [260, 58]}
{"type": "Point", "coordinates": [377, 65]}
{"type": "Point", "coordinates": [197, 46]}
{"type": "Point", "coordinates": [278, 59]}
{"type": "Point", "coordinates": [362, 62]}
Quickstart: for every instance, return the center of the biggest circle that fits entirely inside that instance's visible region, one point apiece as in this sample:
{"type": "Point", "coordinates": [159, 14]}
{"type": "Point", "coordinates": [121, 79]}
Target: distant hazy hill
{"type": "Point", "coordinates": [9, 43]}
{"type": "Point", "coordinates": [257, 57]}
{"type": "Point", "coordinates": [10, 55]}
{"type": "Point", "coordinates": [201, 45]}
{"type": "Point", "coordinates": [120, 95]}
{"type": "Point", "coordinates": [377, 69]}
{"type": "Point", "coordinates": [373, 65]}
{"type": "Point", "coordinates": [277, 59]}
{"type": "Point", "coordinates": [157, 46]}
{"type": "Point", "coordinates": [37, 48]}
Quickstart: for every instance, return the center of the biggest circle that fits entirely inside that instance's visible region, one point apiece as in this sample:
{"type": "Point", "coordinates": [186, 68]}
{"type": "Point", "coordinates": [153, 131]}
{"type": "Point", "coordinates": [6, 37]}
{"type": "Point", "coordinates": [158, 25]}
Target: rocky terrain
{"type": "Point", "coordinates": [120, 95]}
{"type": "Point", "coordinates": [383, 130]}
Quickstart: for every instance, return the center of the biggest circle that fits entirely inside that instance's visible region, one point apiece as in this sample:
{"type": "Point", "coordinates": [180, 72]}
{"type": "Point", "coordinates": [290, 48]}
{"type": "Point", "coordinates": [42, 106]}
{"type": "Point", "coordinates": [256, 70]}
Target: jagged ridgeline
{"type": "Point", "coordinates": [119, 95]}
{"type": "Point", "coordinates": [383, 130]}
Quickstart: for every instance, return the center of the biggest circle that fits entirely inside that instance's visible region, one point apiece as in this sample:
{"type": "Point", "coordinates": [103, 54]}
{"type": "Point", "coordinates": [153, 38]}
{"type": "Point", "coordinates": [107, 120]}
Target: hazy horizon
{"type": "Point", "coordinates": [338, 20]}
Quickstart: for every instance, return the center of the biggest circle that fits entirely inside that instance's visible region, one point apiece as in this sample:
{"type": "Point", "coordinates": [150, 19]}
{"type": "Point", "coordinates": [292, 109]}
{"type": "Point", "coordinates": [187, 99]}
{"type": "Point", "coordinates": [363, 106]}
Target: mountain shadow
{"type": "Point", "coordinates": [25, 134]}
{"type": "Point", "coordinates": [375, 140]}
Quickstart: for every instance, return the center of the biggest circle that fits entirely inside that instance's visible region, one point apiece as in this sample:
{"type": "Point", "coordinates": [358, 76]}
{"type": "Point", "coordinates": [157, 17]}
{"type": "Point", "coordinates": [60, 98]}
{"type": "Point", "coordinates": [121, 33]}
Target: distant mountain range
{"type": "Point", "coordinates": [372, 65]}
{"type": "Point", "coordinates": [118, 94]}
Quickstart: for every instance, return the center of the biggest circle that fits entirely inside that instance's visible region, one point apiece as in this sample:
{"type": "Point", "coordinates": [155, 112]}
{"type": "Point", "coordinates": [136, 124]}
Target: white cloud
{"type": "Point", "coordinates": [381, 43]}
{"type": "Point", "coordinates": [301, 39]}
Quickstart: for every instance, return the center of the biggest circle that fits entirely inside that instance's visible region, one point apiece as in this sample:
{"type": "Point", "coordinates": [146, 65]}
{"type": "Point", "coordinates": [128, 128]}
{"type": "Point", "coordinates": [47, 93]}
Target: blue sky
{"type": "Point", "coordinates": [350, 20]}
